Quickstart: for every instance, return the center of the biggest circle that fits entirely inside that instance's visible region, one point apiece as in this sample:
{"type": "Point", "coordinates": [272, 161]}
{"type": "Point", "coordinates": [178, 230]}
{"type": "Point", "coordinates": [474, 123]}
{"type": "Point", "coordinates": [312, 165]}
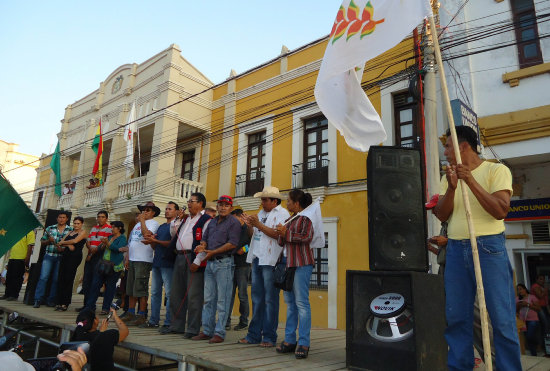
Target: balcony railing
{"type": "Point", "coordinates": [132, 187]}
{"type": "Point", "coordinates": [64, 202]}
{"type": "Point", "coordinates": [248, 185]}
{"type": "Point", "coordinates": [93, 196]}
{"type": "Point", "coordinates": [315, 175]}
{"type": "Point", "coordinates": [183, 188]}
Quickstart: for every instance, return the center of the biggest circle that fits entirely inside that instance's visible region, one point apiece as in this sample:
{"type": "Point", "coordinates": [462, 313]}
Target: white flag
{"type": "Point", "coordinates": [129, 131]}
{"type": "Point", "coordinates": [362, 30]}
{"type": "Point", "coordinates": [313, 212]}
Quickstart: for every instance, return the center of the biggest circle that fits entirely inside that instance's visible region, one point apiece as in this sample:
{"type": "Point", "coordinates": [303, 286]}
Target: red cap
{"type": "Point", "coordinates": [226, 198]}
{"type": "Point", "coordinates": [433, 201]}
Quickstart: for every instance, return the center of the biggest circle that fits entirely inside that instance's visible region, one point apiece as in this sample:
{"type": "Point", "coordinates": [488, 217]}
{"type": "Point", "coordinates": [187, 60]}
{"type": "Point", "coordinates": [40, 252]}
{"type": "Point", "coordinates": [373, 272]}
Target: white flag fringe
{"type": "Point", "coordinates": [129, 131]}
{"type": "Point", "coordinates": [362, 30]}
{"type": "Point", "coordinates": [313, 212]}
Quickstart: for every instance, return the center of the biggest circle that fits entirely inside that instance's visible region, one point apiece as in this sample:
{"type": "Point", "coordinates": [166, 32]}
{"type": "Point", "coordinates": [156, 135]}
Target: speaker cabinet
{"type": "Point", "coordinates": [412, 338]}
{"type": "Point", "coordinates": [32, 281]}
{"type": "Point", "coordinates": [397, 219]}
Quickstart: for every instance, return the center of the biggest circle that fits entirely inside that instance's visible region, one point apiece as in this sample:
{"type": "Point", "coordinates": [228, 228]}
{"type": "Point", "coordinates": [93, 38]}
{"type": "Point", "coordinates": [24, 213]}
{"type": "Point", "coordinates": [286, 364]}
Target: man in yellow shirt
{"type": "Point", "coordinates": [20, 255]}
{"type": "Point", "coordinates": [490, 188]}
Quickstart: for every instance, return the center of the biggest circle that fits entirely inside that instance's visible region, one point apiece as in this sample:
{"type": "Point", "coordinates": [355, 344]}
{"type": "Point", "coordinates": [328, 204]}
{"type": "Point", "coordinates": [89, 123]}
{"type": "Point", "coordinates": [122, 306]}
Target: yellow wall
{"type": "Point", "coordinates": [350, 208]}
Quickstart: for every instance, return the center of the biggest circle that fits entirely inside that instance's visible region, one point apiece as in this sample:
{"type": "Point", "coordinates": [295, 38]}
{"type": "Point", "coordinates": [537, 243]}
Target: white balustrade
{"type": "Point", "coordinates": [183, 188]}
{"type": "Point", "coordinates": [132, 187]}
{"type": "Point", "coordinates": [64, 202]}
{"type": "Point", "coordinates": [93, 196]}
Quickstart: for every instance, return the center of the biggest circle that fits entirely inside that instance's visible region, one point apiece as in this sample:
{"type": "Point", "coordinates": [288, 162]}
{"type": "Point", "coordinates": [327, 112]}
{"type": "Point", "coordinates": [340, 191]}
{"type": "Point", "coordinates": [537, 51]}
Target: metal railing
{"type": "Point", "coordinates": [298, 171]}
{"type": "Point", "coordinates": [244, 181]}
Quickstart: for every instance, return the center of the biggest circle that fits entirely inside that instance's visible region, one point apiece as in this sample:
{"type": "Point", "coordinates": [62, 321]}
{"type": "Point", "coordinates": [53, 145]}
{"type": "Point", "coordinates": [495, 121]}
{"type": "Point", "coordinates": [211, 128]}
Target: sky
{"type": "Point", "coordinates": [55, 52]}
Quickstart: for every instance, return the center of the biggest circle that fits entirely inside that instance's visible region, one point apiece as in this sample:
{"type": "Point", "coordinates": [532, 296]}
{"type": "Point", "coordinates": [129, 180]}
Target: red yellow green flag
{"type": "Point", "coordinates": [97, 146]}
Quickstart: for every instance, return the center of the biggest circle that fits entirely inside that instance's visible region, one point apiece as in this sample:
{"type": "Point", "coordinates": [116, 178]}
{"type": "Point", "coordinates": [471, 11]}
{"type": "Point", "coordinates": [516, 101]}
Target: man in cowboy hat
{"type": "Point", "coordinates": [140, 257]}
{"type": "Point", "coordinates": [263, 254]}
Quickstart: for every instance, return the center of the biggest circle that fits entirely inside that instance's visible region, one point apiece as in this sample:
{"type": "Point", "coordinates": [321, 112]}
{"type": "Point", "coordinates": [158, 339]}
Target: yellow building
{"type": "Point", "coordinates": [261, 127]}
{"type": "Point", "coordinates": [19, 169]}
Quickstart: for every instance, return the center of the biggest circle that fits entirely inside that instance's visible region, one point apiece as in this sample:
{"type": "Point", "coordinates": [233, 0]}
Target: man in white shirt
{"type": "Point", "coordinates": [187, 294]}
{"type": "Point", "coordinates": [263, 254]}
{"type": "Point", "coordinates": [140, 262]}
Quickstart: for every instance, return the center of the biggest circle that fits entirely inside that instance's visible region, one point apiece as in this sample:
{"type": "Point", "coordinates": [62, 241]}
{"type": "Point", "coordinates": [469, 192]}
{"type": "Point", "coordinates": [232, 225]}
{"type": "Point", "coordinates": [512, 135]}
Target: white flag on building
{"type": "Point", "coordinates": [362, 30]}
{"type": "Point", "coordinates": [129, 131]}
{"type": "Point", "coordinates": [313, 212]}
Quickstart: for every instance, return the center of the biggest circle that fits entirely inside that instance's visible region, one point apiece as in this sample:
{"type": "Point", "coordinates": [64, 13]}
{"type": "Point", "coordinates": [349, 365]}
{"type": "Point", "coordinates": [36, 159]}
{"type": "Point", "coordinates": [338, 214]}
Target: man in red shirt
{"type": "Point", "coordinates": [100, 231]}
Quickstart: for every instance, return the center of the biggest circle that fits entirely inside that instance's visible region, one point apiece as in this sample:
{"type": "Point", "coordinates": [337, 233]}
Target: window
{"type": "Point", "coordinates": [39, 202]}
{"type": "Point", "coordinates": [527, 36]}
{"type": "Point", "coordinates": [540, 233]}
{"type": "Point", "coordinates": [255, 163]}
{"type": "Point", "coordinates": [406, 120]}
{"type": "Point", "coordinates": [187, 165]}
{"type": "Point", "coordinates": [319, 277]}
{"type": "Point", "coordinates": [315, 167]}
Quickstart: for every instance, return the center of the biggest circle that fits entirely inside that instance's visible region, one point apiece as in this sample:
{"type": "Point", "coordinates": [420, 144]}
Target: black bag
{"type": "Point", "coordinates": [283, 276]}
{"type": "Point", "coordinates": [105, 267]}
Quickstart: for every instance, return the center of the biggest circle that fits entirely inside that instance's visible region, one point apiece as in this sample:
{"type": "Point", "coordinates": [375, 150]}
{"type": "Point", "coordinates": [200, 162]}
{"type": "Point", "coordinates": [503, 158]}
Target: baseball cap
{"type": "Point", "coordinates": [226, 198]}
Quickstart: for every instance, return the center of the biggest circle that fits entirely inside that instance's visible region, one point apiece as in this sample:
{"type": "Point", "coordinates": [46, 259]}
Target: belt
{"type": "Point", "coordinates": [220, 257]}
{"type": "Point", "coordinates": [183, 252]}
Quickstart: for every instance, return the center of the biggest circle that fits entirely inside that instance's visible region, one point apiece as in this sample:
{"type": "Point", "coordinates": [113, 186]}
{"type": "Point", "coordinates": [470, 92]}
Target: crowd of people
{"type": "Point", "coordinates": [201, 258]}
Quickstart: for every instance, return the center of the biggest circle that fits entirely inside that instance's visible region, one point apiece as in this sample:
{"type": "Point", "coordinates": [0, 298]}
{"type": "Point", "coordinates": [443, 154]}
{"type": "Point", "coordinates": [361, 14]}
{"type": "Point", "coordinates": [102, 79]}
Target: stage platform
{"type": "Point", "coordinates": [145, 346]}
{"type": "Point", "coordinates": [147, 349]}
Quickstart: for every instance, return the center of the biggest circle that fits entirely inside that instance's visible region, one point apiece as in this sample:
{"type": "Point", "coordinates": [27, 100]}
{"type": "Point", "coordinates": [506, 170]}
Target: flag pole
{"type": "Point", "coordinates": [139, 147]}
{"type": "Point", "coordinates": [477, 267]}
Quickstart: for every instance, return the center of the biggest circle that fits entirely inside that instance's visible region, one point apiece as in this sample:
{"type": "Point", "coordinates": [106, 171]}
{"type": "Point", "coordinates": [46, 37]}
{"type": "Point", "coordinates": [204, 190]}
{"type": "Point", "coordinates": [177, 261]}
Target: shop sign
{"type": "Point", "coordinates": [536, 208]}
{"type": "Point", "coordinates": [464, 115]}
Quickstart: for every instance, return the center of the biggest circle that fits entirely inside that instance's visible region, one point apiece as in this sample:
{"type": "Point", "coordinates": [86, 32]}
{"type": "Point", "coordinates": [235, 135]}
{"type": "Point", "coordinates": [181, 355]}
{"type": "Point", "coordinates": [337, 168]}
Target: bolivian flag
{"type": "Point", "coordinates": [97, 146]}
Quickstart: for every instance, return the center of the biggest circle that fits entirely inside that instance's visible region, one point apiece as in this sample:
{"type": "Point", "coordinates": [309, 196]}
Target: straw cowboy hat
{"type": "Point", "coordinates": [151, 205]}
{"type": "Point", "coordinates": [269, 192]}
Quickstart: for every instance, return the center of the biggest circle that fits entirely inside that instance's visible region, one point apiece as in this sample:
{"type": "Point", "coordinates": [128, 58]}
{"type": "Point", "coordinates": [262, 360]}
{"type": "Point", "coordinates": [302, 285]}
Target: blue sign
{"type": "Point", "coordinates": [536, 208]}
{"type": "Point", "coordinates": [463, 115]}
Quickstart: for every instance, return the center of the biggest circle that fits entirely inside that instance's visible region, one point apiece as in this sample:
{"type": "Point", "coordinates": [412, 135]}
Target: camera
{"type": "Point", "coordinates": [115, 306]}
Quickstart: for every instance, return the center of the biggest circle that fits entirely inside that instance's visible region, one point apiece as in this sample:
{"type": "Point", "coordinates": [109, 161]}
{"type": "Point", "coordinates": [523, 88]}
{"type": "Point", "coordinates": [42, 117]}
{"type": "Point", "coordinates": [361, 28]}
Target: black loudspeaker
{"type": "Point", "coordinates": [32, 281]}
{"type": "Point", "coordinates": [397, 219]}
{"type": "Point", "coordinates": [395, 321]}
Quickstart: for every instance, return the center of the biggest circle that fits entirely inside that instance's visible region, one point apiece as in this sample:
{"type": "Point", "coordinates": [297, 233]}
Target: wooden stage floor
{"type": "Point", "coordinates": [327, 350]}
{"type": "Point", "coordinates": [145, 345]}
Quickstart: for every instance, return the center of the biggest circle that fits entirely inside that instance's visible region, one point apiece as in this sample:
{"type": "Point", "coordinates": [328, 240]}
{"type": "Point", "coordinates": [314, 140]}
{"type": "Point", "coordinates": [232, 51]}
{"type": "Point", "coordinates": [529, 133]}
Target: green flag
{"type": "Point", "coordinates": [16, 219]}
{"type": "Point", "coordinates": [55, 164]}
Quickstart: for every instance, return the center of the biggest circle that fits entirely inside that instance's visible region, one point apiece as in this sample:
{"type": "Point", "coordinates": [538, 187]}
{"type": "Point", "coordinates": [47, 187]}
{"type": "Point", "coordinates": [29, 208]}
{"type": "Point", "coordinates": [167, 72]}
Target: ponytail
{"type": "Point", "coordinates": [303, 199]}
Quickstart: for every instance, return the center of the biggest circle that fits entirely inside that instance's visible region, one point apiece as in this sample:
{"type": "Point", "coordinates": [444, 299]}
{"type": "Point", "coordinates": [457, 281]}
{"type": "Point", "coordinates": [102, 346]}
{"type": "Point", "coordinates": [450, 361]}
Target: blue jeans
{"type": "Point", "coordinates": [110, 289]}
{"type": "Point", "coordinates": [298, 313]}
{"type": "Point", "coordinates": [161, 276]}
{"type": "Point", "coordinates": [460, 290]}
{"type": "Point", "coordinates": [50, 267]}
{"type": "Point", "coordinates": [265, 305]}
{"type": "Point", "coordinates": [531, 336]}
{"type": "Point", "coordinates": [218, 286]}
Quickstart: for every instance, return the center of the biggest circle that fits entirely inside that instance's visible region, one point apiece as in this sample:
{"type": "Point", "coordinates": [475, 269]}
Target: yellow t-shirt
{"type": "Point", "coordinates": [492, 177]}
{"type": "Point", "coordinates": [19, 250]}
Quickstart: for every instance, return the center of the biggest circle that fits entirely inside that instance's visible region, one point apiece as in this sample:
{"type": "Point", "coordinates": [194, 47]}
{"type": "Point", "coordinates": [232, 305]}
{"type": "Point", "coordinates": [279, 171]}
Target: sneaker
{"type": "Point", "coordinates": [148, 325]}
{"type": "Point", "coordinates": [165, 330]}
{"type": "Point", "coordinates": [36, 304]}
{"type": "Point", "coordinates": [228, 327]}
{"type": "Point", "coordinates": [140, 320]}
{"type": "Point", "coordinates": [189, 335]}
{"type": "Point", "coordinates": [123, 315]}
{"type": "Point", "coordinates": [129, 317]}
{"type": "Point", "coordinates": [240, 326]}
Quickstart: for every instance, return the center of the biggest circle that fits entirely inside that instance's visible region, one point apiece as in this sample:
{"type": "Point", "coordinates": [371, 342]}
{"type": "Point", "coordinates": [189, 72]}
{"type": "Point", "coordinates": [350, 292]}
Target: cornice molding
{"type": "Point", "coordinates": [187, 75]}
{"type": "Point", "coordinates": [269, 83]}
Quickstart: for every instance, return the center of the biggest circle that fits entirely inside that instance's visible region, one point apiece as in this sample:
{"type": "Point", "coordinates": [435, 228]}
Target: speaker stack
{"type": "Point", "coordinates": [395, 313]}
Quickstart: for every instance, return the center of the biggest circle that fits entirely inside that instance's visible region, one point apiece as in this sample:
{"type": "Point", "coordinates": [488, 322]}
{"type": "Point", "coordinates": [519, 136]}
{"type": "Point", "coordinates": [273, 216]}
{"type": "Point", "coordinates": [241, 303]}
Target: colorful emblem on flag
{"type": "Point", "coordinates": [349, 19]}
{"type": "Point", "coordinates": [97, 146]}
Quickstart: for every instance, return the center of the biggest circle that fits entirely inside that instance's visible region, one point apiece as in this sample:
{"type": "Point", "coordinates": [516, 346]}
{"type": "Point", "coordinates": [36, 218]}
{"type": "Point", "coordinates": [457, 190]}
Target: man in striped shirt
{"type": "Point", "coordinates": [100, 231]}
{"type": "Point", "coordinates": [50, 265]}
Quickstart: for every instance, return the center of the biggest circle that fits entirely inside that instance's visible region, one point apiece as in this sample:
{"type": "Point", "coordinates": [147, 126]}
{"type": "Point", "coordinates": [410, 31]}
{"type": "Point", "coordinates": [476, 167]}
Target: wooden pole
{"type": "Point", "coordinates": [466, 199]}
